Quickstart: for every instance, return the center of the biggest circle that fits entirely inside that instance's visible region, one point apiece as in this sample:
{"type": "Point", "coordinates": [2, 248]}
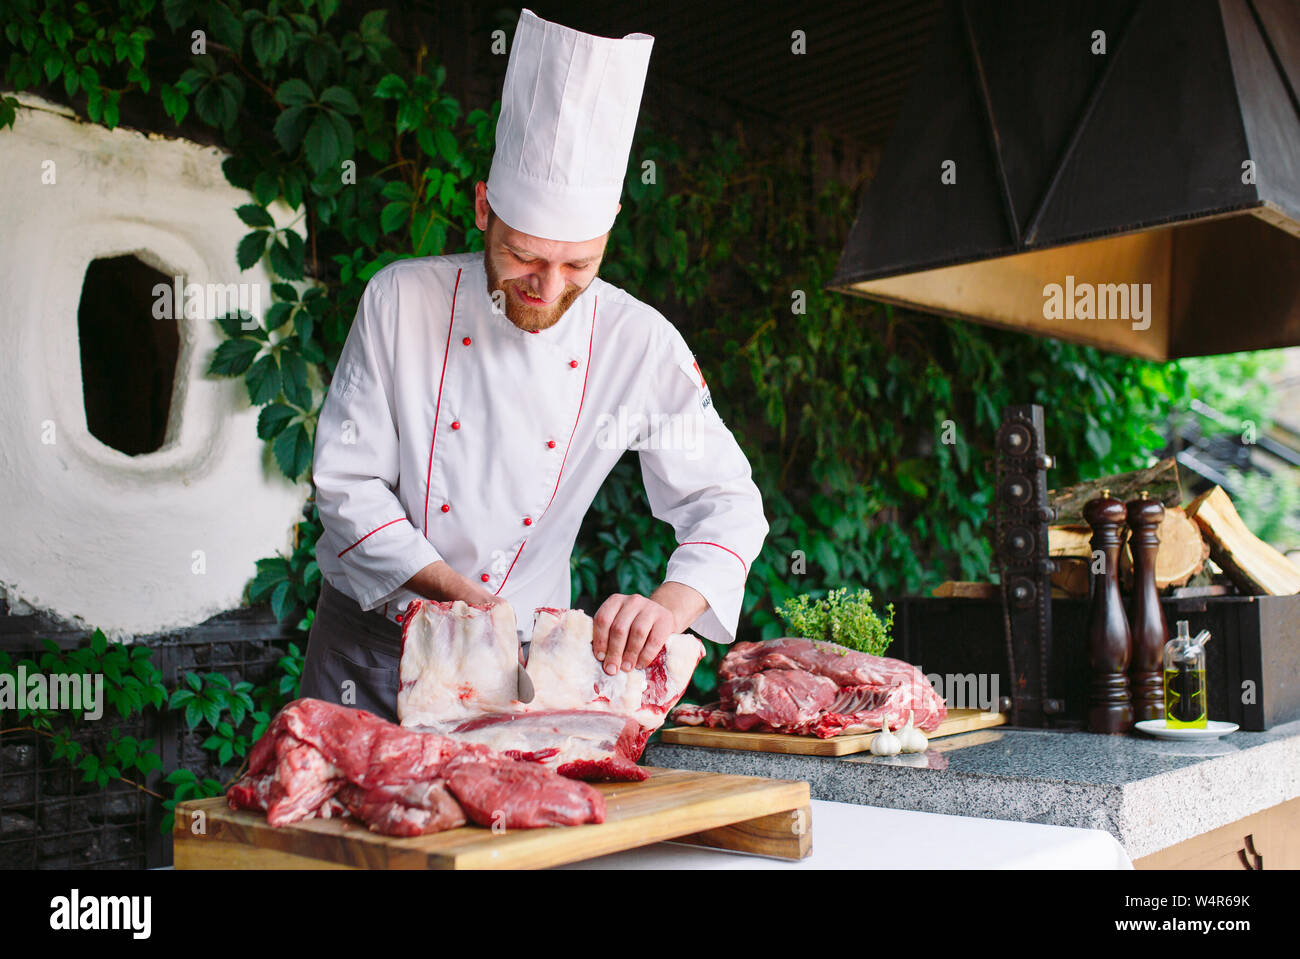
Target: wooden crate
{"type": "Point", "coordinates": [770, 817]}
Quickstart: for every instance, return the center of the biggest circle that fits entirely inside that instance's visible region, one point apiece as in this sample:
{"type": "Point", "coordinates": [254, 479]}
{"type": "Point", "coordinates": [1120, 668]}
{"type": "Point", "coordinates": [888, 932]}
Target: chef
{"type": "Point", "coordinates": [481, 399]}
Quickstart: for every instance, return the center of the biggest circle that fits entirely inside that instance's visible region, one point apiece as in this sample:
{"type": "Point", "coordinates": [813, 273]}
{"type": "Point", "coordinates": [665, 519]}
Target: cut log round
{"type": "Point", "coordinates": [1181, 556]}
{"type": "Point", "coordinates": [1182, 552]}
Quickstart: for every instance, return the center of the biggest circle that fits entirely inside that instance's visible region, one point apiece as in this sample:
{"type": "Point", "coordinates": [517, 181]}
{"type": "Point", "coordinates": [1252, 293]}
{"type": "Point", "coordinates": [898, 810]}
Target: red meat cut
{"type": "Point", "coordinates": [409, 810]}
{"type": "Point", "coordinates": [779, 697]}
{"type": "Point", "coordinates": [807, 687]}
{"type": "Point", "coordinates": [316, 756]}
{"type": "Point", "coordinates": [517, 795]}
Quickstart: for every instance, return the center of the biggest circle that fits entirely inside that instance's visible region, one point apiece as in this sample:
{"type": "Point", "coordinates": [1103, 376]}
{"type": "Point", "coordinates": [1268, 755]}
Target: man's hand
{"type": "Point", "coordinates": [629, 631]}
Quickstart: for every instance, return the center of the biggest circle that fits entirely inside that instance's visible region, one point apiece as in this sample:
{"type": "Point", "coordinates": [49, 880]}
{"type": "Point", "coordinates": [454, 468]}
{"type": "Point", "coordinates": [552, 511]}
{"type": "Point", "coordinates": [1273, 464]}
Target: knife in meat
{"type": "Point", "coordinates": [526, 691]}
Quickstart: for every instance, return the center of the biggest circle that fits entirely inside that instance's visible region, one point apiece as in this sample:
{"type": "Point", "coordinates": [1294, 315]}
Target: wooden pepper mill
{"type": "Point", "coordinates": [1149, 629]}
{"type": "Point", "coordinates": [1110, 708]}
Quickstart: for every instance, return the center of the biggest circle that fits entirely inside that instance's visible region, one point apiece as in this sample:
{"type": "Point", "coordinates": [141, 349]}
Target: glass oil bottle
{"type": "Point", "coordinates": [1184, 669]}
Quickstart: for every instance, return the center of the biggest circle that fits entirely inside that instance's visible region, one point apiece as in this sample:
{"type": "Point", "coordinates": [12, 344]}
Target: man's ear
{"type": "Point", "coordinates": [480, 206]}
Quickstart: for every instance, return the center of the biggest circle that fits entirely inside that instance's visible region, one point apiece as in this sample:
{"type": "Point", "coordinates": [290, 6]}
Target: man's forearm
{"type": "Point", "coordinates": [684, 602]}
{"type": "Point", "coordinates": [439, 581]}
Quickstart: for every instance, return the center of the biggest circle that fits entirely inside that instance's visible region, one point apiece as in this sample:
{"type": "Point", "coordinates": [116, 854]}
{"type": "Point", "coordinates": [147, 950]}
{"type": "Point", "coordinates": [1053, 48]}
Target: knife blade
{"type": "Point", "coordinates": [526, 691]}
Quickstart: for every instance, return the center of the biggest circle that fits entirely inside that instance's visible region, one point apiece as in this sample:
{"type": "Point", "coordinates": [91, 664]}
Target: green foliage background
{"type": "Point", "coordinates": [867, 427]}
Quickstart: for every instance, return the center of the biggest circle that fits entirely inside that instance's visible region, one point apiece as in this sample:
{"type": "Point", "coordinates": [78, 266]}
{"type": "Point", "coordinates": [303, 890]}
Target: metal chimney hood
{"type": "Point", "coordinates": [1145, 200]}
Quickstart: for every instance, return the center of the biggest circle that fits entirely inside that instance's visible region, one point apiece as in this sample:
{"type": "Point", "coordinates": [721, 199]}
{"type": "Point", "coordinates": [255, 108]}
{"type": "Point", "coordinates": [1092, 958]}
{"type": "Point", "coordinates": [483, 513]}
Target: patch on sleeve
{"type": "Point", "coordinates": [351, 379]}
{"type": "Point", "coordinates": [691, 368]}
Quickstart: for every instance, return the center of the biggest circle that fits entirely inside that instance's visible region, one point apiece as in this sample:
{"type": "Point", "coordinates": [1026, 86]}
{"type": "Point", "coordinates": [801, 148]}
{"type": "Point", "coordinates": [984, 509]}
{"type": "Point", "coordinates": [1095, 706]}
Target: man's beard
{"type": "Point", "coordinates": [522, 315]}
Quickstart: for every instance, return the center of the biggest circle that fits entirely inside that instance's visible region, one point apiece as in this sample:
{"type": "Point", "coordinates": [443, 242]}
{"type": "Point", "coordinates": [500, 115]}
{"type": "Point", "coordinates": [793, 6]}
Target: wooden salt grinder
{"type": "Point", "coordinates": [1110, 708]}
{"type": "Point", "coordinates": [1149, 629]}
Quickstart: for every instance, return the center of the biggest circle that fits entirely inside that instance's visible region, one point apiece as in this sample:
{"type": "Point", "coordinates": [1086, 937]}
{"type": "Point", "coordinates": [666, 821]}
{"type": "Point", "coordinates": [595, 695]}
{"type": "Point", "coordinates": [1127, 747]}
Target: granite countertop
{"type": "Point", "coordinates": [1147, 793]}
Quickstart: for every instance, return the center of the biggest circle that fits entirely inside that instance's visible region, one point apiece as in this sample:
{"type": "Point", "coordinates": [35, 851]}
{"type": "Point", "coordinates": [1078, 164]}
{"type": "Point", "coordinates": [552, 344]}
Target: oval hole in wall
{"type": "Point", "coordinates": [128, 358]}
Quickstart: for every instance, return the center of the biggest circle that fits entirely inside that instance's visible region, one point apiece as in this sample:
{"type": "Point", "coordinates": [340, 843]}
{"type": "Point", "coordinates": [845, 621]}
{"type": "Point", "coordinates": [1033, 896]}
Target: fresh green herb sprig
{"type": "Point", "coordinates": [840, 618]}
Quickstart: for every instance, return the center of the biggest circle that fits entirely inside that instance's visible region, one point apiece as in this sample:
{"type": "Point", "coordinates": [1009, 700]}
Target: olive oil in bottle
{"type": "Point", "coordinates": [1184, 673]}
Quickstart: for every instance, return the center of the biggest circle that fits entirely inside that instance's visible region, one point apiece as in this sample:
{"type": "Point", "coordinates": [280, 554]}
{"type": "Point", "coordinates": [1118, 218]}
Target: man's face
{"type": "Point", "coordinates": [539, 278]}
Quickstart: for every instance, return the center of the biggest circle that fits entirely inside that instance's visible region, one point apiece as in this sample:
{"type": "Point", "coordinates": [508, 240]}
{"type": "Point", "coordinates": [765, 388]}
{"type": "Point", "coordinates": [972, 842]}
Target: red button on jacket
{"type": "Point", "coordinates": [573, 363]}
{"type": "Point", "coordinates": [446, 508]}
{"type": "Point", "coordinates": [466, 341]}
{"type": "Point", "coordinates": [455, 424]}
{"type": "Point", "coordinates": [484, 577]}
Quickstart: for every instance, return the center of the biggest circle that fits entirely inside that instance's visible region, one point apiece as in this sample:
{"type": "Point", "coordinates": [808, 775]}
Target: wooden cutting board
{"type": "Point", "coordinates": [957, 721]}
{"type": "Point", "coordinates": [769, 817]}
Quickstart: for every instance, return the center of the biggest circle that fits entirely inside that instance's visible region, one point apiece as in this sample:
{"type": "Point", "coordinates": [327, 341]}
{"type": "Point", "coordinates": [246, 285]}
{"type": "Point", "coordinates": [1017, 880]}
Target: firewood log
{"type": "Point", "coordinates": [1252, 565]}
{"type": "Point", "coordinates": [1160, 482]}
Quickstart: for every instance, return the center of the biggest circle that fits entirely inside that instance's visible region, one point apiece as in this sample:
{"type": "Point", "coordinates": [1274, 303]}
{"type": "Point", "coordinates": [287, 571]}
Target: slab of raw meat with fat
{"type": "Point", "coordinates": [807, 687]}
{"type": "Point", "coordinates": [582, 722]}
{"type": "Point", "coordinates": [318, 758]}
{"type": "Point", "coordinates": [567, 675]}
{"type": "Point", "coordinates": [580, 744]}
{"type": "Point", "coordinates": [458, 661]}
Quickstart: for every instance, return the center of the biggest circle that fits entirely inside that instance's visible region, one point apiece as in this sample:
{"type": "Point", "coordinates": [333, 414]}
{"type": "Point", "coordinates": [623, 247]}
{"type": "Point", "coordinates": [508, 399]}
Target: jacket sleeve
{"type": "Point", "coordinates": [355, 466]}
{"type": "Point", "coordinates": [698, 479]}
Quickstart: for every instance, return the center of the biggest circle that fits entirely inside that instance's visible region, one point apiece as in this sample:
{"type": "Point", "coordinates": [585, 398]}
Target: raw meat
{"type": "Point", "coordinates": [507, 793]}
{"type": "Point", "coordinates": [458, 661]}
{"type": "Point", "coordinates": [410, 810]}
{"type": "Point", "coordinates": [804, 687]}
{"type": "Point", "coordinates": [316, 758]}
{"type": "Point", "coordinates": [779, 697]}
{"type": "Point", "coordinates": [572, 690]}
{"type": "Point", "coordinates": [580, 744]}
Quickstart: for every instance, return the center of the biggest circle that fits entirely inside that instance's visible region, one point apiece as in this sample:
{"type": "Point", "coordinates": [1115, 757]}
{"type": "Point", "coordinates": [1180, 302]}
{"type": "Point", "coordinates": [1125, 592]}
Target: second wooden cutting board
{"type": "Point", "coordinates": [957, 721]}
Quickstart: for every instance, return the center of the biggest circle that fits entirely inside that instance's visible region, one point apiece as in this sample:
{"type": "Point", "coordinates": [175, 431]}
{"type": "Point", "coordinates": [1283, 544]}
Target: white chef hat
{"type": "Point", "coordinates": [568, 111]}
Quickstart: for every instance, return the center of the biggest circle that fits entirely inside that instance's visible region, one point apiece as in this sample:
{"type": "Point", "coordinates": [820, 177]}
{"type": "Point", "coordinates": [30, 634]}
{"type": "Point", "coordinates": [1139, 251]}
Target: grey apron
{"type": "Point", "coordinates": [352, 656]}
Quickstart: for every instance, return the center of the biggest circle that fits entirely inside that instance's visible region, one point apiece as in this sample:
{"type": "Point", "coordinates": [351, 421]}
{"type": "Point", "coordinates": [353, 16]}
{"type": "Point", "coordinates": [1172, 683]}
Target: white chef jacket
{"type": "Point", "coordinates": [449, 433]}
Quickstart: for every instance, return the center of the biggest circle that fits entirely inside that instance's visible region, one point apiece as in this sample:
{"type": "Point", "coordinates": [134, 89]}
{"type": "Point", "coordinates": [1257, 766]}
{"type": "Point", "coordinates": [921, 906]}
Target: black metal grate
{"type": "Point", "coordinates": [50, 819]}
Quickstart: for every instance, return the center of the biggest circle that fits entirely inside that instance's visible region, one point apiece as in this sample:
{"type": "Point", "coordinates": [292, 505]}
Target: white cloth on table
{"type": "Point", "coordinates": [850, 836]}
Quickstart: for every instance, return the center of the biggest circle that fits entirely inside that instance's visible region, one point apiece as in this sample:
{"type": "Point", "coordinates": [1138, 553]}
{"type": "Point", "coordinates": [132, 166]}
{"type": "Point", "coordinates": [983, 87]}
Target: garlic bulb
{"type": "Point", "coordinates": [911, 739]}
{"type": "Point", "coordinates": [885, 743]}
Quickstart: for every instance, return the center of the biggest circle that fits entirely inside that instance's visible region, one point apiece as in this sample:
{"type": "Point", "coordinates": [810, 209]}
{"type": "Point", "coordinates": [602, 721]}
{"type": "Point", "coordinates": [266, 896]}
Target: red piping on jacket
{"type": "Point", "coordinates": [573, 432]}
{"type": "Point", "coordinates": [703, 542]}
{"type": "Point", "coordinates": [512, 566]}
{"type": "Point", "coordinates": [446, 352]}
{"type": "Point", "coordinates": [585, 374]}
{"type": "Point", "coordinates": [373, 532]}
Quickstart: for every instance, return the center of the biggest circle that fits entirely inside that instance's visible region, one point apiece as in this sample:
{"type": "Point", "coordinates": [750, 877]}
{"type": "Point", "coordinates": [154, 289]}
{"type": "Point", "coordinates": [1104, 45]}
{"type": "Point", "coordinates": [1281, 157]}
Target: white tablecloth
{"type": "Point", "coordinates": [849, 836]}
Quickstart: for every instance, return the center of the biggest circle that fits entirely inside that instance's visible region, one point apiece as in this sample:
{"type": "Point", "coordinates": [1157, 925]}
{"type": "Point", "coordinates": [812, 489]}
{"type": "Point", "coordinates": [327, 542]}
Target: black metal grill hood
{"type": "Point", "coordinates": [1164, 171]}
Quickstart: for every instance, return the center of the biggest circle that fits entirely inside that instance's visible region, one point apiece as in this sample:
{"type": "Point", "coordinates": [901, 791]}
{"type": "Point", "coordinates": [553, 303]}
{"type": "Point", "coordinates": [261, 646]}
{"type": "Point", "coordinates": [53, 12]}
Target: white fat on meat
{"type": "Point", "coordinates": [567, 675]}
{"type": "Point", "coordinates": [551, 738]}
{"type": "Point", "coordinates": [458, 661]}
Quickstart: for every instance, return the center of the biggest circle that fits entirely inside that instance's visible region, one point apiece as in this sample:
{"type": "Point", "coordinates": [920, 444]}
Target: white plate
{"type": "Point", "coordinates": [1213, 730]}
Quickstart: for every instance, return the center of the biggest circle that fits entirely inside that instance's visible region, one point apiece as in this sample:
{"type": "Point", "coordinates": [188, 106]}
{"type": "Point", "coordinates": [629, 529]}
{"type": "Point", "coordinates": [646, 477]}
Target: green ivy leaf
{"type": "Point", "coordinates": [263, 380]}
{"type": "Point", "coordinates": [272, 420]}
{"type": "Point", "coordinates": [270, 40]}
{"type": "Point", "coordinates": [234, 357]}
{"type": "Point", "coordinates": [293, 450]}
{"type": "Point", "coordinates": [294, 377]}
{"type": "Point", "coordinates": [341, 99]}
{"type": "Point", "coordinates": [251, 248]}
{"type": "Point", "coordinates": [393, 216]}
{"type": "Point", "coordinates": [255, 215]}
{"type": "Point", "coordinates": [226, 26]}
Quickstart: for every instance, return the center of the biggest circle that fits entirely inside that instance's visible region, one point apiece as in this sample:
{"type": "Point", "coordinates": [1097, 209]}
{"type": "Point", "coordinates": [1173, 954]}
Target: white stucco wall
{"type": "Point", "coordinates": [87, 532]}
